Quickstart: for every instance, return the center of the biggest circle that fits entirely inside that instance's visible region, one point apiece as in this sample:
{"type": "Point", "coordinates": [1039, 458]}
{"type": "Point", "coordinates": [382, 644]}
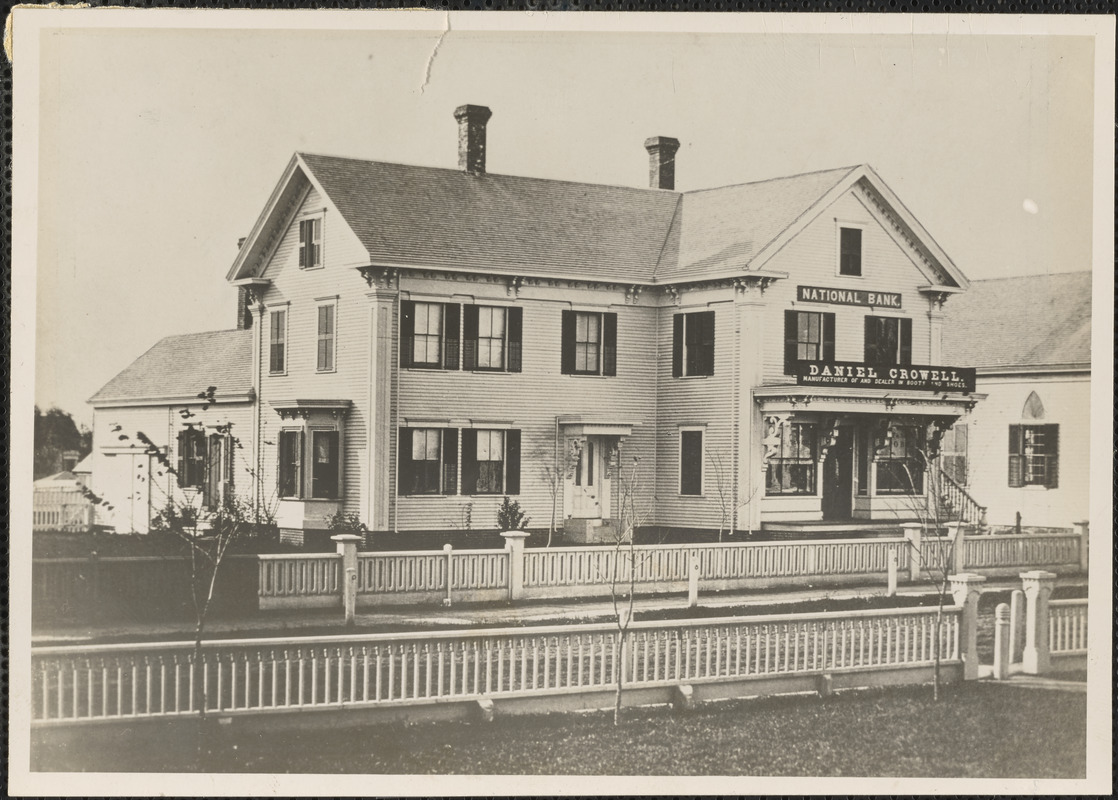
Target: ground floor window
{"type": "Point", "coordinates": [791, 468]}
{"type": "Point", "coordinates": [325, 464]}
{"type": "Point", "coordinates": [900, 463]}
{"type": "Point", "coordinates": [691, 462]}
{"type": "Point", "coordinates": [290, 463]}
{"type": "Point", "coordinates": [1034, 455]}
{"type": "Point", "coordinates": [953, 453]}
{"type": "Point", "coordinates": [446, 461]}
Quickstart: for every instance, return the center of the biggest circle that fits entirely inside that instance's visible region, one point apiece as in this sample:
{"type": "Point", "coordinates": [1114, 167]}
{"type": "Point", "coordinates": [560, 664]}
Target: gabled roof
{"type": "Point", "coordinates": [1030, 321]}
{"type": "Point", "coordinates": [178, 368]}
{"type": "Point", "coordinates": [410, 216]}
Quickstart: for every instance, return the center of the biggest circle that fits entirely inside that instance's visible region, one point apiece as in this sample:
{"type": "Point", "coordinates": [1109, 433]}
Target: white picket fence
{"type": "Point", "coordinates": [1067, 627]}
{"type": "Point", "coordinates": [61, 510]}
{"type": "Point", "coordinates": [579, 662]}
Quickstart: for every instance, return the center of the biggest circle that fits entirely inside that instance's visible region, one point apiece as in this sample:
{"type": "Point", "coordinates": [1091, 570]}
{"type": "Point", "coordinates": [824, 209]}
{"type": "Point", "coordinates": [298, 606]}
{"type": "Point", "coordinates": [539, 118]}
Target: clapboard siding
{"type": "Point", "coordinates": [811, 259]}
{"type": "Point", "coordinates": [698, 400]}
{"type": "Point", "coordinates": [1064, 399]}
{"type": "Point", "coordinates": [532, 399]}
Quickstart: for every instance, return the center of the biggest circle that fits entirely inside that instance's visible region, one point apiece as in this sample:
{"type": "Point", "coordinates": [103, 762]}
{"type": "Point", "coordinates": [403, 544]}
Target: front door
{"type": "Point", "coordinates": [586, 479]}
{"type": "Point", "coordinates": [838, 476]}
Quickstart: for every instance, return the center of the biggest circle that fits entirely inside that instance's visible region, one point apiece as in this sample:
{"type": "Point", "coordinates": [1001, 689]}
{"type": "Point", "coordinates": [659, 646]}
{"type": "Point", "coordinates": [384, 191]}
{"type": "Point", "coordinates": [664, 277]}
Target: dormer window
{"type": "Point", "coordinates": [850, 251]}
{"type": "Point", "coordinates": [310, 243]}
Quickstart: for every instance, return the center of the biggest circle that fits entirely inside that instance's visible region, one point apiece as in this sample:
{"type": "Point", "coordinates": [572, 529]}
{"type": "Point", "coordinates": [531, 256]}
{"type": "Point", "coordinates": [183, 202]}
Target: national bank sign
{"type": "Point", "coordinates": [848, 297]}
{"type": "Point", "coordinates": [877, 376]}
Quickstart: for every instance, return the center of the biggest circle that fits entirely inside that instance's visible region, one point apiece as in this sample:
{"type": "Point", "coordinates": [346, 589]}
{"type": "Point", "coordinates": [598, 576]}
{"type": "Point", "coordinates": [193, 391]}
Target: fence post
{"type": "Point", "coordinates": [891, 585]}
{"type": "Point", "coordinates": [96, 602]}
{"type": "Point", "coordinates": [514, 543]}
{"type": "Point", "coordinates": [1001, 642]}
{"type": "Point", "coordinates": [1082, 528]}
{"type": "Point", "coordinates": [347, 549]}
{"type": "Point", "coordinates": [955, 535]}
{"type": "Point", "coordinates": [913, 534]}
{"type": "Point", "coordinates": [1016, 625]}
{"type": "Point", "coordinates": [693, 581]}
{"type": "Point", "coordinates": [1038, 585]}
{"type": "Point", "coordinates": [448, 548]}
{"type": "Point", "coordinates": [965, 591]}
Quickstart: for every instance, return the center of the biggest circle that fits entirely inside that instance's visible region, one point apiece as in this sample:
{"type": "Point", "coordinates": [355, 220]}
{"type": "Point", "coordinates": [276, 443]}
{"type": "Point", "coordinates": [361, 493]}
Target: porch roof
{"type": "Point", "coordinates": [789, 398]}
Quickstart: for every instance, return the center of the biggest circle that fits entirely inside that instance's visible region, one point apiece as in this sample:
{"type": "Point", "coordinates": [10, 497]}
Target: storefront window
{"type": "Point", "coordinates": [900, 469]}
{"type": "Point", "coordinates": [791, 470]}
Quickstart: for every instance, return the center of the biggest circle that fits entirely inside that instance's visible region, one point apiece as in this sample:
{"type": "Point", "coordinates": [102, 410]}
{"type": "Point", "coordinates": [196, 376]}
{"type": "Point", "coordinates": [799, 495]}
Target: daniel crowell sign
{"type": "Point", "coordinates": [885, 376]}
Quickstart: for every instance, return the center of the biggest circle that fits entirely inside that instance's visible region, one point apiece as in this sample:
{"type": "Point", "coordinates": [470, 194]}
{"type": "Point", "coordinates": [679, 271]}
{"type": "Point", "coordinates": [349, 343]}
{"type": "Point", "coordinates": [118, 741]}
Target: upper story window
{"type": "Point", "coordinates": [1034, 455]}
{"type": "Point", "coordinates": [310, 243]}
{"type": "Point", "coordinates": [327, 315]}
{"type": "Point", "coordinates": [492, 338]}
{"type": "Point", "coordinates": [808, 336]}
{"type": "Point", "coordinates": [850, 251]}
{"type": "Point", "coordinates": [277, 342]}
{"type": "Point", "coordinates": [429, 334]}
{"type": "Point", "coordinates": [589, 343]}
{"type": "Point", "coordinates": [691, 461]}
{"type": "Point", "coordinates": [693, 344]}
{"type": "Point", "coordinates": [888, 340]}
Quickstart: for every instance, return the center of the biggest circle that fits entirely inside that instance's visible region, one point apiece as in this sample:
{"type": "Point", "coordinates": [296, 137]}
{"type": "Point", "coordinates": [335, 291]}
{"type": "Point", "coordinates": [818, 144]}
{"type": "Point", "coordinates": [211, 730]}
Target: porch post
{"type": "Point", "coordinates": [1038, 586]}
{"type": "Point", "coordinates": [381, 472]}
{"type": "Point", "coordinates": [965, 591]}
{"type": "Point", "coordinates": [749, 479]}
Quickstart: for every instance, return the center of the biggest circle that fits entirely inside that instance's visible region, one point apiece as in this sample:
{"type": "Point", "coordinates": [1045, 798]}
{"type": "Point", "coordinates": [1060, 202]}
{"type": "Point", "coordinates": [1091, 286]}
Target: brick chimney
{"type": "Point", "coordinates": [661, 161]}
{"type": "Point", "coordinates": [244, 308]}
{"type": "Point", "coordinates": [471, 137]}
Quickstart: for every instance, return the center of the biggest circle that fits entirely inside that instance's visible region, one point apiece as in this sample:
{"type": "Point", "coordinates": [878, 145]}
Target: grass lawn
{"type": "Point", "coordinates": [975, 731]}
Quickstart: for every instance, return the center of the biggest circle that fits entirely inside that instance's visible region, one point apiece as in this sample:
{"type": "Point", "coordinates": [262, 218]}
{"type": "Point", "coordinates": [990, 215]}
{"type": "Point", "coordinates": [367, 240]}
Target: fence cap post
{"type": "Point", "coordinates": [515, 537]}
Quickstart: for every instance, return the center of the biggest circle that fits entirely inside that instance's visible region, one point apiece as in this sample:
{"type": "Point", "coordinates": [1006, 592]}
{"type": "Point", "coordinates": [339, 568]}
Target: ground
{"type": "Point", "coordinates": [977, 730]}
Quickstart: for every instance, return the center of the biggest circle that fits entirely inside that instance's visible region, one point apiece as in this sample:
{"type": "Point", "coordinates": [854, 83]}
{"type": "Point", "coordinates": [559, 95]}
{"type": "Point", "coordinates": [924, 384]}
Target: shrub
{"type": "Point", "coordinates": [510, 517]}
{"type": "Point", "coordinates": [349, 523]}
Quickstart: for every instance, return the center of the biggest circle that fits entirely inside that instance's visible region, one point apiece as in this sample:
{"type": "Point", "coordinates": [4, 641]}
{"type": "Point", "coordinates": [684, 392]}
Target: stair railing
{"type": "Point", "coordinates": [970, 512]}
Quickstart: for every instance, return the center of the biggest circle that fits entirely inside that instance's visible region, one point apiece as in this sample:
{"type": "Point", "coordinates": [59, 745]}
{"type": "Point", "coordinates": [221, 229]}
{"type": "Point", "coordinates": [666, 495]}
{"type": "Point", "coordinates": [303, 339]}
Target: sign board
{"type": "Point", "coordinates": [848, 297]}
{"type": "Point", "coordinates": [861, 375]}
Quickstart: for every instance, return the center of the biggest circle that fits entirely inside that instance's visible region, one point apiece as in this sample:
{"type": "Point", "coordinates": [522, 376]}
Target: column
{"type": "Point", "coordinates": [378, 417]}
{"type": "Point", "coordinates": [1038, 586]}
{"type": "Point", "coordinates": [749, 309]}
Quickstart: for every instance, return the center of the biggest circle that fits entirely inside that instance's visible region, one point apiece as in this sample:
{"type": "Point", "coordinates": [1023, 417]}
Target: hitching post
{"type": "Point", "coordinates": [913, 534]}
{"type": "Point", "coordinates": [964, 590]}
{"type": "Point", "coordinates": [514, 543]}
{"type": "Point", "coordinates": [891, 586]}
{"type": "Point", "coordinates": [1016, 625]}
{"type": "Point", "coordinates": [1038, 585]}
{"type": "Point", "coordinates": [693, 581]}
{"type": "Point", "coordinates": [1001, 642]}
{"type": "Point", "coordinates": [347, 549]}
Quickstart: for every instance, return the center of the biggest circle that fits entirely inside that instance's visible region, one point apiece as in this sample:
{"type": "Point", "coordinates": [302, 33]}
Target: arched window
{"type": "Point", "coordinates": [1034, 409]}
{"type": "Point", "coordinates": [1034, 449]}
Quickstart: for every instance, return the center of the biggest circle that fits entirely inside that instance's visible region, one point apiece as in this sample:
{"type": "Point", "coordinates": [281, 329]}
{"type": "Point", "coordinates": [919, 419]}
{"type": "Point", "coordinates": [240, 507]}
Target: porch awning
{"type": "Point", "coordinates": [830, 399]}
{"type": "Point", "coordinates": [299, 407]}
{"type": "Point", "coordinates": [583, 425]}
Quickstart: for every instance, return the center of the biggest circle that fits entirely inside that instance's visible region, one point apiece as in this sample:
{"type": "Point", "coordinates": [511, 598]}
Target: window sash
{"type": "Point", "coordinates": [310, 243]}
{"type": "Point", "coordinates": [290, 463]}
{"type": "Point", "coordinates": [326, 337]}
{"type": "Point", "coordinates": [900, 470]}
{"type": "Point", "coordinates": [792, 470]}
{"type": "Point", "coordinates": [277, 342]}
{"type": "Point", "coordinates": [587, 342]}
{"type": "Point", "coordinates": [490, 458]}
{"type": "Point", "coordinates": [491, 329]}
{"type": "Point", "coordinates": [427, 335]}
{"type": "Point", "coordinates": [850, 251]}
{"type": "Point", "coordinates": [426, 461]}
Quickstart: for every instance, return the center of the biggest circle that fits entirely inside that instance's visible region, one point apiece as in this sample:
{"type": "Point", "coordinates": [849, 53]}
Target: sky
{"type": "Point", "coordinates": [160, 147]}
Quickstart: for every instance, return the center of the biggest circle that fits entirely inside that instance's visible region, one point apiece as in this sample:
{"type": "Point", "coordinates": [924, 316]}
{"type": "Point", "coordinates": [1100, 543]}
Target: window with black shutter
{"type": "Point", "coordinates": [290, 469]}
{"type": "Point", "coordinates": [325, 464]}
{"type": "Point", "coordinates": [492, 338]}
{"type": "Point", "coordinates": [192, 458]}
{"type": "Point", "coordinates": [691, 462]}
{"type": "Point", "coordinates": [429, 334]}
{"type": "Point", "coordinates": [888, 340]}
{"type": "Point", "coordinates": [693, 344]}
{"type": "Point", "coordinates": [808, 336]}
{"type": "Point", "coordinates": [589, 343]}
{"type": "Point", "coordinates": [310, 243]}
{"type": "Point", "coordinates": [1034, 455]}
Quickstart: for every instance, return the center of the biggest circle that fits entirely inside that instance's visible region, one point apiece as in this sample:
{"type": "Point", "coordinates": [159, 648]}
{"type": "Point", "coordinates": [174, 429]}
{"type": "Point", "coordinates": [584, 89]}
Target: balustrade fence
{"type": "Point", "coordinates": [61, 510]}
{"type": "Point", "coordinates": [579, 662]}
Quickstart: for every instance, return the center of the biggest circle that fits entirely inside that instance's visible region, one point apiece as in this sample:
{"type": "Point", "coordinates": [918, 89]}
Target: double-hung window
{"type": "Point", "coordinates": [888, 340]}
{"type": "Point", "coordinates": [325, 464]}
{"type": "Point", "coordinates": [192, 458]}
{"type": "Point", "coordinates": [691, 461]}
{"type": "Point", "coordinates": [589, 343]}
{"type": "Point", "coordinates": [490, 461]}
{"type": "Point", "coordinates": [791, 468]}
{"type": "Point", "coordinates": [693, 344]}
{"type": "Point", "coordinates": [900, 465]}
{"type": "Point", "coordinates": [290, 483]}
{"type": "Point", "coordinates": [277, 342]}
{"type": "Point", "coordinates": [491, 338]}
{"type": "Point", "coordinates": [808, 336]}
{"type": "Point", "coordinates": [429, 334]}
{"type": "Point", "coordinates": [850, 251]}
{"type": "Point", "coordinates": [327, 316]}
{"type": "Point", "coordinates": [310, 243]}
{"type": "Point", "coordinates": [1034, 455]}
{"type": "Point", "coordinates": [428, 461]}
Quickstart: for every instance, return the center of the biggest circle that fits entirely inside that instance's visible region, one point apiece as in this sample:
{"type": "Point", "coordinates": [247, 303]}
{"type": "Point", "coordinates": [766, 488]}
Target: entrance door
{"type": "Point", "coordinates": [585, 481]}
{"type": "Point", "coordinates": [838, 476]}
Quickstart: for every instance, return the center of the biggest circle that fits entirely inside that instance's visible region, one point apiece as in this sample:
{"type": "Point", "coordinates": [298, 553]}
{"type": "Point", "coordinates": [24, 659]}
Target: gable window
{"type": "Point", "coordinates": [791, 465]}
{"type": "Point", "coordinates": [693, 344]}
{"type": "Point", "coordinates": [491, 338]}
{"type": "Point", "coordinates": [290, 463]}
{"type": "Point", "coordinates": [277, 342]}
{"type": "Point", "coordinates": [490, 461]}
{"type": "Point", "coordinates": [808, 336]}
{"type": "Point", "coordinates": [310, 243]}
{"type": "Point", "coordinates": [326, 330]}
{"type": "Point", "coordinates": [888, 340]}
{"type": "Point", "coordinates": [691, 461]}
{"type": "Point", "coordinates": [429, 334]}
{"type": "Point", "coordinates": [850, 251]}
{"type": "Point", "coordinates": [428, 461]}
{"type": "Point", "coordinates": [900, 466]}
{"type": "Point", "coordinates": [589, 343]}
{"type": "Point", "coordinates": [325, 464]}
{"type": "Point", "coordinates": [192, 458]}
{"type": "Point", "coordinates": [1034, 455]}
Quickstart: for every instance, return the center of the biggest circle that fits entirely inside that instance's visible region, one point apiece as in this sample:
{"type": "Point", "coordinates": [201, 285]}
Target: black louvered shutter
{"type": "Point", "coordinates": [450, 335]}
{"type": "Point", "coordinates": [303, 244]}
{"type": "Point", "coordinates": [677, 345]}
{"type": "Point", "coordinates": [516, 338]}
{"type": "Point", "coordinates": [469, 337]}
{"type": "Point", "coordinates": [469, 461]}
{"type": "Point", "coordinates": [706, 367]}
{"type": "Point", "coordinates": [906, 342]}
{"type": "Point", "coordinates": [512, 462]}
{"type": "Point", "coordinates": [871, 340]}
{"type": "Point", "coordinates": [405, 478]}
{"type": "Point", "coordinates": [609, 344]}
{"type": "Point", "coordinates": [450, 461]}
{"type": "Point", "coordinates": [407, 331]}
{"type": "Point", "coordinates": [1052, 443]}
{"type": "Point", "coordinates": [567, 344]}
{"type": "Point", "coordinates": [828, 349]}
{"type": "Point", "coordinates": [181, 469]}
{"type": "Point", "coordinates": [1016, 457]}
{"type": "Point", "coordinates": [791, 320]}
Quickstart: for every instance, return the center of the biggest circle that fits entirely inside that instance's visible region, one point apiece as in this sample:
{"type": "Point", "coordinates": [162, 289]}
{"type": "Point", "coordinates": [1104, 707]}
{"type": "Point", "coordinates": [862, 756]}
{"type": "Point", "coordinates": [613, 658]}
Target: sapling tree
{"type": "Point", "coordinates": [725, 493]}
{"type": "Point", "coordinates": [553, 476]}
